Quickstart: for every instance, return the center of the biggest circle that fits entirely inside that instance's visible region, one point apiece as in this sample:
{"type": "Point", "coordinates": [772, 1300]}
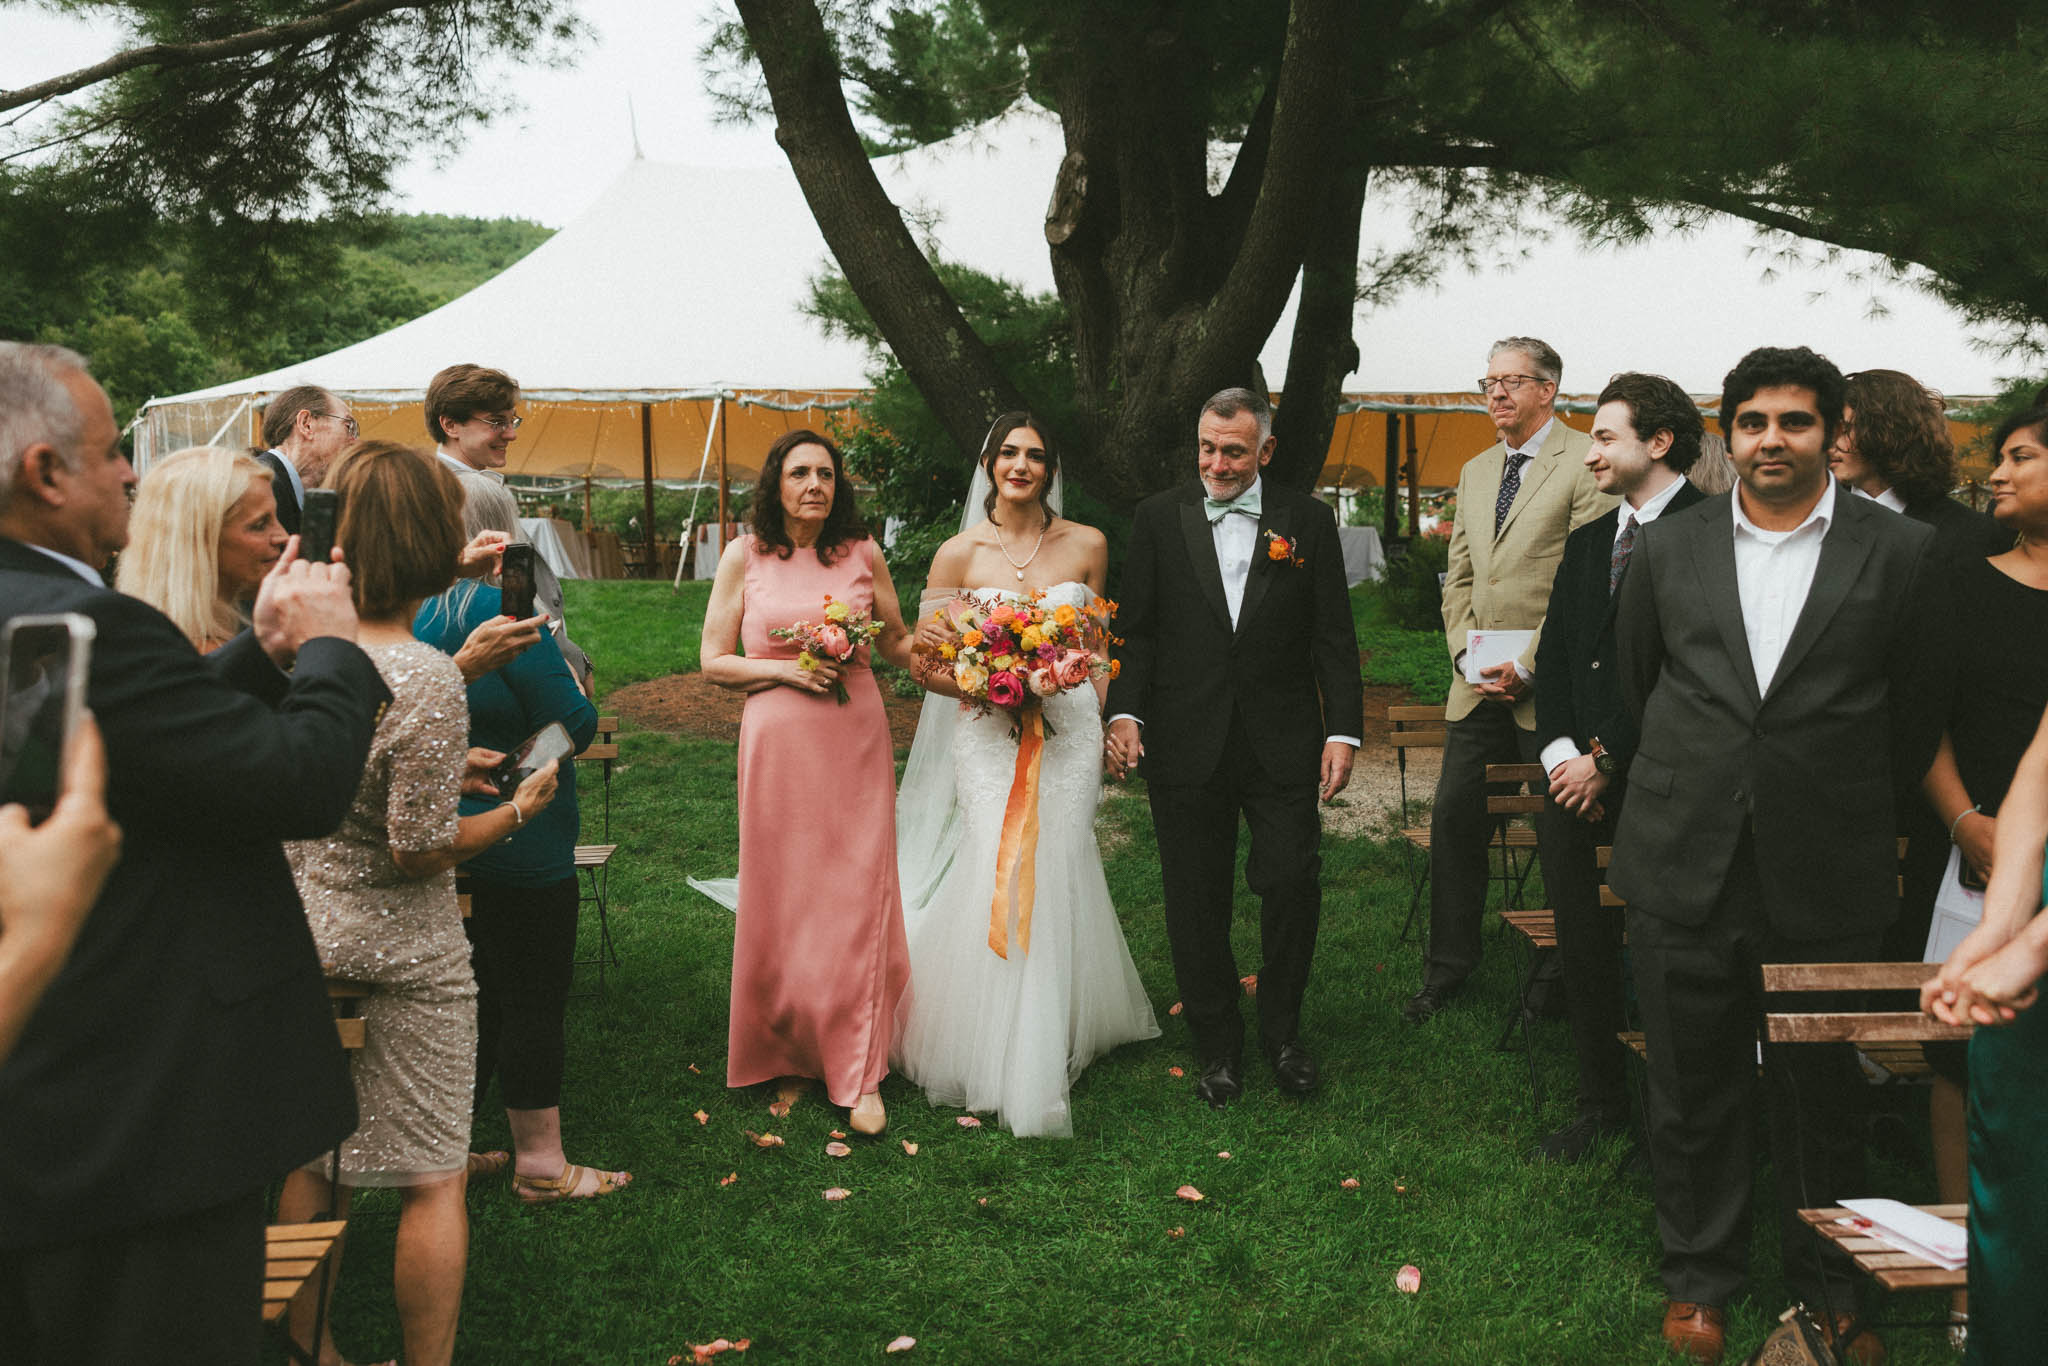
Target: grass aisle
{"type": "Point", "coordinates": [991, 1249]}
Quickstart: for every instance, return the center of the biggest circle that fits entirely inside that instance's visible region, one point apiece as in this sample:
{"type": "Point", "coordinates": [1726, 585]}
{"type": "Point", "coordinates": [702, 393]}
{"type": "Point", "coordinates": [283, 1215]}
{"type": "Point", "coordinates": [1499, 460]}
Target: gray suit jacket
{"type": "Point", "coordinates": [1814, 766]}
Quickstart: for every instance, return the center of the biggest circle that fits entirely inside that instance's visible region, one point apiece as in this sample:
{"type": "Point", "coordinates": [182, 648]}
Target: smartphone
{"type": "Point", "coordinates": [42, 695]}
{"type": "Point", "coordinates": [515, 579]}
{"type": "Point", "coordinates": [317, 520]}
{"type": "Point", "coordinates": [549, 742]}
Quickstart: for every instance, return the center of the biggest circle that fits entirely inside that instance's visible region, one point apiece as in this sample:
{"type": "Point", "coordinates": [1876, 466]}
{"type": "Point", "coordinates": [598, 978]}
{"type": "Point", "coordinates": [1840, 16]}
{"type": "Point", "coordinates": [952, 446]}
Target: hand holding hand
{"type": "Point", "coordinates": [477, 771]}
{"type": "Point", "coordinates": [1336, 768]}
{"type": "Point", "coordinates": [2004, 983]}
{"type": "Point", "coordinates": [484, 555]}
{"type": "Point", "coordinates": [1942, 995]}
{"type": "Point", "coordinates": [1576, 785]}
{"type": "Point", "coordinates": [1122, 747]}
{"type": "Point", "coordinates": [496, 643]}
{"type": "Point", "coordinates": [299, 601]}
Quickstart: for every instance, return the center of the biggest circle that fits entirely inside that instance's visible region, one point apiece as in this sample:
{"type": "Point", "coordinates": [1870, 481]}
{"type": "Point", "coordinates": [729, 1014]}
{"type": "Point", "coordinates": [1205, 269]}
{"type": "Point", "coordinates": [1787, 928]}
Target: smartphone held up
{"type": "Point", "coordinates": [47, 661]}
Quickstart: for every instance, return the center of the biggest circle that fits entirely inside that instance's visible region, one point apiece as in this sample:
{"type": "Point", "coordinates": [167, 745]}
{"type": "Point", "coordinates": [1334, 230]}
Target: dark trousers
{"type": "Point", "coordinates": [1197, 828]}
{"type": "Point", "coordinates": [1459, 829]}
{"type": "Point", "coordinates": [1700, 989]}
{"type": "Point", "coordinates": [1589, 940]}
{"type": "Point", "coordinates": [183, 1290]}
{"type": "Point", "coordinates": [523, 947]}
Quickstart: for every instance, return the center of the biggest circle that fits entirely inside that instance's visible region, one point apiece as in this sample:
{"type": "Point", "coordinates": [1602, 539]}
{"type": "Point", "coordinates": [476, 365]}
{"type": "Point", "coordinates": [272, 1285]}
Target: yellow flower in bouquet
{"type": "Point", "coordinates": [971, 678]}
{"type": "Point", "coordinates": [835, 611]}
{"type": "Point", "coordinates": [1030, 639]}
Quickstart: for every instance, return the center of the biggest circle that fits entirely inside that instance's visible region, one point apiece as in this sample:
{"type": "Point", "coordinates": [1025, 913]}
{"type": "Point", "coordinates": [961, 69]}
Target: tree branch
{"type": "Point", "coordinates": [342, 17]}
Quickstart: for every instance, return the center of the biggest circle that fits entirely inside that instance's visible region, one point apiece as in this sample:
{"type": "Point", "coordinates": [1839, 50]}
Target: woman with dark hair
{"type": "Point", "coordinates": [818, 960]}
{"type": "Point", "coordinates": [1894, 448]}
{"type": "Point", "coordinates": [1007, 1032]}
{"type": "Point", "coordinates": [380, 897]}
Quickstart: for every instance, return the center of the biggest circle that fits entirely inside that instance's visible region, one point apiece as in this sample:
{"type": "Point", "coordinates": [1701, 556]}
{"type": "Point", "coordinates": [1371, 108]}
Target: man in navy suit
{"type": "Point", "coordinates": [184, 1057]}
{"type": "Point", "coordinates": [305, 428]}
{"type": "Point", "coordinates": [1646, 435]}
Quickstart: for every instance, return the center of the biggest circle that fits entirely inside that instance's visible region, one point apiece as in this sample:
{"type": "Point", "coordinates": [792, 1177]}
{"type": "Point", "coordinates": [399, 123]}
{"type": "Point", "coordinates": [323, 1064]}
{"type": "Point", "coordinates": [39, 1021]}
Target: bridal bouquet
{"type": "Point", "coordinates": [1011, 655]}
{"type": "Point", "coordinates": [836, 638]}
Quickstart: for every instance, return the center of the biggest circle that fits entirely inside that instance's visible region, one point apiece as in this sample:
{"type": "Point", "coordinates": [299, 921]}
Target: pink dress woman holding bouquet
{"type": "Point", "coordinates": [1007, 1029]}
{"type": "Point", "coordinates": [819, 960]}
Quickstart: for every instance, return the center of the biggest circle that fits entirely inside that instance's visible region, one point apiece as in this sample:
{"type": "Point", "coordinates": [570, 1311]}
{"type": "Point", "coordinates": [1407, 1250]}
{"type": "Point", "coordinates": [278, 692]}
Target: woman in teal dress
{"type": "Point", "coordinates": [1991, 980]}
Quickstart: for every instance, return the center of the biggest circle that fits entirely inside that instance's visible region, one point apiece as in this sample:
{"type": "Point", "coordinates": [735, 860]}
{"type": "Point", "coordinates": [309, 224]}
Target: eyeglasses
{"type": "Point", "coordinates": [348, 424]}
{"type": "Point", "coordinates": [501, 424]}
{"type": "Point", "coordinates": [1508, 384]}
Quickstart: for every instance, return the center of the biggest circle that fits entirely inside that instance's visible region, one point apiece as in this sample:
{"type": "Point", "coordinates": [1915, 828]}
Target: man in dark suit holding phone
{"type": "Point", "coordinates": [1780, 650]}
{"type": "Point", "coordinates": [305, 428]}
{"type": "Point", "coordinates": [184, 1057]}
{"type": "Point", "coordinates": [1239, 691]}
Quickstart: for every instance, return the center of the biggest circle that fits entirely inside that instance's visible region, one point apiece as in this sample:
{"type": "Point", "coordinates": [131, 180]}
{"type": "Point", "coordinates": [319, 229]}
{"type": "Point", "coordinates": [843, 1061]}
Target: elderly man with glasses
{"type": "Point", "coordinates": [1517, 501]}
{"type": "Point", "coordinates": [305, 428]}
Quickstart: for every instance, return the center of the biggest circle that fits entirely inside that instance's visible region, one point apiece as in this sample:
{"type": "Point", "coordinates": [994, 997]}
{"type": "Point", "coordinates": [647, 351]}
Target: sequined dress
{"type": "Point", "coordinates": [416, 1071]}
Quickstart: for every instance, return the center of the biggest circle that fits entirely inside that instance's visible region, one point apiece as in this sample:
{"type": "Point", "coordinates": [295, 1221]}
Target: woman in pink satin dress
{"type": "Point", "coordinates": [819, 960]}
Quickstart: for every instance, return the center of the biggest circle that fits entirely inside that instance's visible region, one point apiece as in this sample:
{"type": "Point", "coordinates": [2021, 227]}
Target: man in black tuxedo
{"type": "Point", "coordinates": [184, 1056]}
{"type": "Point", "coordinates": [1780, 650]}
{"type": "Point", "coordinates": [1239, 687]}
{"type": "Point", "coordinates": [305, 428]}
{"type": "Point", "coordinates": [1646, 435]}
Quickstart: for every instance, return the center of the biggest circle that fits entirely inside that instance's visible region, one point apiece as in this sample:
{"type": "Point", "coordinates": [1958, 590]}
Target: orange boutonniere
{"type": "Point", "coordinates": [1279, 548]}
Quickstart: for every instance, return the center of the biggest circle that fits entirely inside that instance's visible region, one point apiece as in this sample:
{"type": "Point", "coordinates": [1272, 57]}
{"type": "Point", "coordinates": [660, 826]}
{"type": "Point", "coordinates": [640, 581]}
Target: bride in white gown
{"type": "Point", "coordinates": [976, 1029]}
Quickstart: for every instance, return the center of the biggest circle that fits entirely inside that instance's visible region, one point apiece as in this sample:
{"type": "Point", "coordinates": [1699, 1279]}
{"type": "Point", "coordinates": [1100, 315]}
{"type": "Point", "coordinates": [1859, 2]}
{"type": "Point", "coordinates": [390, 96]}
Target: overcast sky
{"type": "Point", "coordinates": [1688, 308]}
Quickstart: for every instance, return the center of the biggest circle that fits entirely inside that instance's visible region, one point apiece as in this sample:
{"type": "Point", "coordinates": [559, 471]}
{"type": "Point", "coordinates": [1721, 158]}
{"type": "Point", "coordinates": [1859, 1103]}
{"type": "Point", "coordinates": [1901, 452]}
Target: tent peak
{"type": "Point", "coordinates": [633, 126]}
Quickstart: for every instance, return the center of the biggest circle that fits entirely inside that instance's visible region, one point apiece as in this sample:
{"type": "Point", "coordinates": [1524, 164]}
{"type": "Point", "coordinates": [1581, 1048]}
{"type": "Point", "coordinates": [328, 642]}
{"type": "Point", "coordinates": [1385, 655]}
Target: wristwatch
{"type": "Point", "coordinates": [1603, 762]}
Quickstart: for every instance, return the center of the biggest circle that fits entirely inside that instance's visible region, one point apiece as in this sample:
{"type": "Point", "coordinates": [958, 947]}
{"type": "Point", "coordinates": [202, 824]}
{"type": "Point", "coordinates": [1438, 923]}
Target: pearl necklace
{"type": "Point", "coordinates": [1004, 547]}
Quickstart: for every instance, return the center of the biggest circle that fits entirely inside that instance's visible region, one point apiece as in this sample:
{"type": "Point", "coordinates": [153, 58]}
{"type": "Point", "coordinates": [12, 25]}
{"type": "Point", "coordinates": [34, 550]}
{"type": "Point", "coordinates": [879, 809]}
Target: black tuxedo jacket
{"type": "Point", "coordinates": [1814, 767]}
{"type": "Point", "coordinates": [1290, 668]}
{"type": "Point", "coordinates": [281, 485]}
{"type": "Point", "coordinates": [1578, 671]}
{"type": "Point", "coordinates": [185, 1055]}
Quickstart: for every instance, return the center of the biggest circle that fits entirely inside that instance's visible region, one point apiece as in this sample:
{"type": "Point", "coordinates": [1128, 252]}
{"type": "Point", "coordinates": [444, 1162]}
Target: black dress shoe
{"type": "Point", "coordinates": [1574, 1141]}
{"type": "Point", "coordinates": [1222, 1081]}
{"type": "Point", "coordinates": [1295, 1070]}
{"type": "Point", "coordinates": [1424, 1004]}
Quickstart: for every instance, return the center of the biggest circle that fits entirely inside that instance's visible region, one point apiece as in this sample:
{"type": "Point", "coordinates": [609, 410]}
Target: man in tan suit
{"type": "Point", "coordinates": [1517, 501]}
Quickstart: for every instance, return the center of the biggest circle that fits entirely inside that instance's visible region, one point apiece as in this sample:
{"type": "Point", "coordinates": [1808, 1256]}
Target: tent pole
{"type": "Point", "coordinates": [587, 527]}
{"type": "Point", "coordinates": [1391, 486]}
{"type": "Point", "coordinates": [1414, 470]}
{"type": "Point", "coordinates": [647, 487]}
{"type": "Point", "coordinates": [721, 475]}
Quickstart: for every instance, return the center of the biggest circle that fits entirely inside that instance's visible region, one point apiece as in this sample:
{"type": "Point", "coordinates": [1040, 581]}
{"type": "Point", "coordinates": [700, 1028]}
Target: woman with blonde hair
{"type": "Point", "coordinates": [203, 533]}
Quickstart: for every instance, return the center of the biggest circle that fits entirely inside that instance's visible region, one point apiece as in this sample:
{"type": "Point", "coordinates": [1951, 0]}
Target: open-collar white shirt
{"type": "Point", "coordinates": [1773, 574]}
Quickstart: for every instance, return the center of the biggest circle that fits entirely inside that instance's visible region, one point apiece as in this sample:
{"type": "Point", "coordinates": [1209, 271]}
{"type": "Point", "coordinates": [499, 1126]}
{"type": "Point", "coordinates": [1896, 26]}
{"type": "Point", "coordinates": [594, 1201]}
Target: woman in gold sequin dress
{"type": "Point", "coordinates": [380, 896]}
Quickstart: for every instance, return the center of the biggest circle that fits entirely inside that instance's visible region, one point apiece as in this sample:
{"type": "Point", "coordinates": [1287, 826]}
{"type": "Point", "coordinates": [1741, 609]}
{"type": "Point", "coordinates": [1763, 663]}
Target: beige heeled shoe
{"type": "Point", "coordinates": [868, 1117]}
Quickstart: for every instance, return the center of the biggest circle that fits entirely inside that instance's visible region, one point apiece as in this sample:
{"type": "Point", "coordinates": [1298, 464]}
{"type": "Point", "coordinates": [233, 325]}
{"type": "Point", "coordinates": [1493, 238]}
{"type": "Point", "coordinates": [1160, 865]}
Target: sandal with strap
{"type": "Point", "coordinates": [484, 1166]}
{"type": "Point", "coordinates": [540, 1190]}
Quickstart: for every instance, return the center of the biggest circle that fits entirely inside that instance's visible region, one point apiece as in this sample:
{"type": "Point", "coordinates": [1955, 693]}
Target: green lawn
{"type": "Point", "coordinates": [988, 1248]}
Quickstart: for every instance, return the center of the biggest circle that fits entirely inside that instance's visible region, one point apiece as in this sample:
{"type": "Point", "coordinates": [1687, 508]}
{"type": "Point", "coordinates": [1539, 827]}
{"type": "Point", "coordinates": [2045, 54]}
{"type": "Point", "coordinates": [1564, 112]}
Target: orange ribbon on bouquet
{"type": "Point", "coordinates": [1017, 855]}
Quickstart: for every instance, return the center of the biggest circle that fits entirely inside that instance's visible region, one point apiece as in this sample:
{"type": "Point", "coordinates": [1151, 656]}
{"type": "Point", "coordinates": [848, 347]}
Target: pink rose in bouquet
{"type": "Point", "coordinates": [1073, 668]}
{"type": "Point", "coordinates": [1005, 689]}
{"type": "Point", "coordinates": [833, 641]}
{"type": "Point", "coordinates": [1042, 682]}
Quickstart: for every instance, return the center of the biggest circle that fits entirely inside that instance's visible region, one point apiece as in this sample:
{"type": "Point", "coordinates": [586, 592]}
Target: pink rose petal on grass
{"type": "Point", "coordinates": [968, 1122]}
{"type": "Point", "coordinates": [1175, 1072]}
{"type": "Point", "coordinates": [1174, 1009]}
{"type": "Point", "coordinates": [728, 1178]}
{"type": "Point", "coordinates": [693, 1068]}
{"type": "Point", "coordinates": [981, 1200]}
{"type": "Point", "coordinates": [779, 1108]}
{"type": "Point", "coordinates": [1176, 1232]}
{"type": "Point", "coordinates": [838, 1150]}
{"type": "Point", "coordinates": [901, 1344]}
{"type": "Point", "coordinates": [1250, 984]}
{"type": "Point", "coordinates": [909, 1148]}
{"type": "Point", "coordinates": [1190, 1193]}
{"type": "Point", "coordinates": [1224, 1156]}
{"type": "Point", "coordinates": [1408, 1279]}
{"type": "Point", "coordinates": [837, 1193]}
{"type": "Point", "coordinates": [701, 1117]}
{"type": "Point", "coordinates": [1349, 1183]}
{"type": "Point", "coordinates": [837, 1133]}
{"type": "Point", "coordinates": [764, 1140]}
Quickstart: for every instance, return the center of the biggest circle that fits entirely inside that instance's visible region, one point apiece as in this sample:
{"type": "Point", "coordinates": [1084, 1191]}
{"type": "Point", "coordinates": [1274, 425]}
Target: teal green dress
{"type": "Point", "coordinates": [2009, 1190]}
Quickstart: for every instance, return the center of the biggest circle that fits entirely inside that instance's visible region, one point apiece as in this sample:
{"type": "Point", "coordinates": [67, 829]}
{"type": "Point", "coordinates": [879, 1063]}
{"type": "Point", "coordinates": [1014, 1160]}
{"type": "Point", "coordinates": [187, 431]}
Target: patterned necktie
{"type": "Point", "coordinates": [1510, 485]}
{"type": "Point", "coordinates": [1624, 546]}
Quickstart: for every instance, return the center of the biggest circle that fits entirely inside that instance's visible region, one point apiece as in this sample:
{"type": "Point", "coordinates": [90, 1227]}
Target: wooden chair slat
{"type": "Point", "coordinates": [1604, 855]}
{"type": "Point", "coordinates": [297, 1251]}
{"type": "Point", "coordinates": [1416, 739]}
{"type": "Point", "coordinates": [1831, 1215]}
{"type": "Point", "coordinates": [1403, 712]}
{"type": "Point", "coordinates": [599, 750]}
{"type": "Point", "coordinates": [286, 1233]}
{"type": "Point", "coordinates": [1610, 898]}
{"type": "Point", "coordinates": [1847, 976]}
{"type": "Point", "coordinates": [462, 904]}
{"type": "Point", "coordinates": [607, 724]}
{"type": "Point", "coordinates": [1514, 806]}
{"type": "Point", "coordinates": [1933, 1278]}
{"type": "Point", "coordinates": [1850, 1027]}
{"type": "Point", "coordinates": [341, 989]}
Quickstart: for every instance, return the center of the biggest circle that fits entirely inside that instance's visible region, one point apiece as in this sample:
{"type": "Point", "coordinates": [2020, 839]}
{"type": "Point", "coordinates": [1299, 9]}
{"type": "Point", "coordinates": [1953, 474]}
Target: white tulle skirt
{"type": "Point", "coordinates": [1008, 1035]}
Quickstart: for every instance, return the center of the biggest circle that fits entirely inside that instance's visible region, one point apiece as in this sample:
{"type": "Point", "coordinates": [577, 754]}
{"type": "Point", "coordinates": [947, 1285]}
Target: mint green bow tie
{"type": "Point", "coordinates": [1248, 503]}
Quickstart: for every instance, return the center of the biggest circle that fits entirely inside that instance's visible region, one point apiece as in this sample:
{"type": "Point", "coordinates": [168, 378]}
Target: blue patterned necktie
{"type": "Point", "coordinates": [1250, 503]}
{"type": "Point", "coordinates": [1624, 546]}
{"type": "Point", "coordinates": [1510, 485]}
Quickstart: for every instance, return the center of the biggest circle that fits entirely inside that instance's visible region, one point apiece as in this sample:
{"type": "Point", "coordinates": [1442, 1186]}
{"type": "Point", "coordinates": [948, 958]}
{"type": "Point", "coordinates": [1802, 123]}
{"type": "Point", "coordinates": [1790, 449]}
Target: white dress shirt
{"type": "Point", "coordinates": [78, 567]}
{"type": "Point", "coordinates": [1564, 748]}
{"type": "Point", "coordinates": [1531, 448]}
{"type": "Point", "coordinates": [1888, 499]}
{"type": "Point", "coordinates": [291, 472]}
{"type": "Point", "coordinates": [1773, 574]}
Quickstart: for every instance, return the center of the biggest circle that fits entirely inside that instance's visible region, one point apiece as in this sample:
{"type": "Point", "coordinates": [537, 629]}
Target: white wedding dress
{"type": "Point", "coordinates": [980, 1031]}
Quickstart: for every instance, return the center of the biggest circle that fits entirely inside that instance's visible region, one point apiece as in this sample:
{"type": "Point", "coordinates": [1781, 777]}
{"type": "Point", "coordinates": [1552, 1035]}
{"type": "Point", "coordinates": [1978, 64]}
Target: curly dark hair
{"type": "Point", "coordinates": [843, 526]}
{"type": "Point", "coordinates": [1777, 367]}
{"type": "Point", "coordinates": [1656, 404]}
{"type": "Point", "coordinates": [2036, 416]}
{"type": "Point", "coordinates": [1007, 423]}
{"type": "Point", "coordinates": [1901, 431]}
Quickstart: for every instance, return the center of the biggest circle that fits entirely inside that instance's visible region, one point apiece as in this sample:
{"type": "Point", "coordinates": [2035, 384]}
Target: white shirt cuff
{"type": "Point", "coordinates": [1122, 716]}
{"type": "Point", "coordinates": [1558, 751]}
{"type": "Point", "coordinates": [1525, 675]}
{"type": "Point", "coordinates": [1350, 740]}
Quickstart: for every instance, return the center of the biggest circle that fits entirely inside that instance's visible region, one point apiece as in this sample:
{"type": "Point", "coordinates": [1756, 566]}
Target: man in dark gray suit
{"type": "Point", "coordinates": [305, 428]}
{"type": "Point", "coordinates": [1776, 647]}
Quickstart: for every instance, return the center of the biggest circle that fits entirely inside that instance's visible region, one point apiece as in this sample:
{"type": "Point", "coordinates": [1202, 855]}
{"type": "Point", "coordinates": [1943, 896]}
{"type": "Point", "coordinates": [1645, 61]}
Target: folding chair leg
{"type": "Point", "coordinates": [1519, 1018]}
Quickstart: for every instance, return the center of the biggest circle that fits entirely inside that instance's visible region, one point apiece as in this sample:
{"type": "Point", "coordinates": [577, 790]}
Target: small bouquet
{"type": "Point", "coordinates": [1011, 655]}
{"type": "Point", "coordinates": [836, 638]}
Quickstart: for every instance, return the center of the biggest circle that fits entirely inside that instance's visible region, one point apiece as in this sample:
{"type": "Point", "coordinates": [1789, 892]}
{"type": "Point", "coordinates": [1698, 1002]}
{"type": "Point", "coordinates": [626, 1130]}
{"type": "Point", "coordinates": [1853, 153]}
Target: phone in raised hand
{"type": "Point", "coordinates": [47, 661]}
{"type": "Point", "coordinates": [317, 520]}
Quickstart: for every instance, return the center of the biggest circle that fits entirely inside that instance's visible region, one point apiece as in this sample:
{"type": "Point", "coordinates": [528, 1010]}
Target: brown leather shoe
{"type": "Point", "coordinates": [1698, 1332]}
{"type": "Point", "coordinates": [1865, 1349]}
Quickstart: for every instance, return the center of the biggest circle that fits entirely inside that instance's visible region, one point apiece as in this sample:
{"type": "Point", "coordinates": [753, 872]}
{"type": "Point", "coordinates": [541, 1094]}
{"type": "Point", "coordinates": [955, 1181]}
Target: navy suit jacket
{"type": "Point", "coordinates": [281, 485]}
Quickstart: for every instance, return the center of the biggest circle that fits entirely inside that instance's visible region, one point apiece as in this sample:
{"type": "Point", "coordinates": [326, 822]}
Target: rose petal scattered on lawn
{"type": "Point", "coordinates": [968, 1122]}
{"type": "Point", "coordinates": [728, 1178]}
{"type": "Point", "coordinates": [1224, 1155]}
{"type": "Point", "coordinates": [741, 1344]}
{"type": "Point", "coordinates": [764, 1140]}
{"type": "Point", "coordinates": [701, 1117]}
{"type": "Point", "coordinates": [909, 1148]}
{"type": "Point", "coordinates": [1408, 1279]}
{"type": "Point", "coordinates": [838, 1150]}
{"type": "Point", "coordinates": [1176, 1232]}
{"type": "Point", "coordinates": [1174, 1009]}
{"type": "Point", "coordinates": [981, 1200]}
{"type": "Point", "coordinates": [1349, 1183]}
{"type": "Point", "coordinates": [779, 1108]}
{"type": "Point", "coordinates": [1175, 1072]}
{"type": "Point", "coordinates": [1400, 1190]}
{"type": "Point", "coordinates": [1189, 1193]}
{"type": "Point", "coordinates": [902, 1344]}
{"type": "Point", "coordinates": [837, 1193]}
{"type": "Point", "coordinates": [837, 1133]}
{"type": "Point", "coordinates": [693, 1068]}
{"type": "Point", "coordinates": [1379, 967]}
{"type": "Point", "coordinates": [1250, 984]}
